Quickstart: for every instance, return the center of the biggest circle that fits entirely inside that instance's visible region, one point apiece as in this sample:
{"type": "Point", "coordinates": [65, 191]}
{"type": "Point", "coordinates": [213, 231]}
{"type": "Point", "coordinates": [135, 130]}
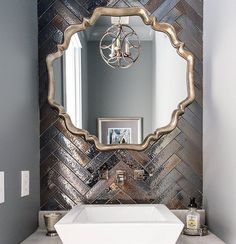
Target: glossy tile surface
{"type": "Point", "coordinates": [70, 165]}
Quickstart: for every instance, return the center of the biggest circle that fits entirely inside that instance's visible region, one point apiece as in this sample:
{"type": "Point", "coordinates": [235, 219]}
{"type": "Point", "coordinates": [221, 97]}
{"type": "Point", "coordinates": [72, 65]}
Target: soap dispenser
{"type": "Point", "coordinates": [192, 216]}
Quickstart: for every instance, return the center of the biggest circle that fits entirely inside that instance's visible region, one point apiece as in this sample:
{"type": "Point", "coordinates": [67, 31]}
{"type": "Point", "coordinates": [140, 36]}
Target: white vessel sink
{"type": "Point", "coordinates": [119, 224]}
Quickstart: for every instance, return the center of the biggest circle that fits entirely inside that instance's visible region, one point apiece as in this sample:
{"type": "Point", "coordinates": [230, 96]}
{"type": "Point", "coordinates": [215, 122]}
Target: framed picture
{"type": "Point", "coordinates": [120, 130]}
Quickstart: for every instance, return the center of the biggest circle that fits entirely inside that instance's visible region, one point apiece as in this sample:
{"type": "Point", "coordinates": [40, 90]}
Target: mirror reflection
{"type": "Point", "coordinates": [126, 102]}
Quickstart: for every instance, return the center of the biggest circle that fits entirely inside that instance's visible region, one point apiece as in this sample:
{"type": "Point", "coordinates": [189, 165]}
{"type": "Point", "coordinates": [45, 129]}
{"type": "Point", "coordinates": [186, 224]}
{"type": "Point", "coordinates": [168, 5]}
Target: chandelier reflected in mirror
{"type": "Point", "coordinates": [120, 44]}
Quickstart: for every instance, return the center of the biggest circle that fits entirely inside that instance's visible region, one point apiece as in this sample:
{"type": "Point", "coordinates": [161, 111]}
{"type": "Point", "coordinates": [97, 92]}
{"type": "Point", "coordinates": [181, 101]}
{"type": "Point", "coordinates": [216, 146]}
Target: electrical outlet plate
{"type": "Point", "coordinates": [2, 187]}
{"type": "Point", "coordinates": [25, 179]}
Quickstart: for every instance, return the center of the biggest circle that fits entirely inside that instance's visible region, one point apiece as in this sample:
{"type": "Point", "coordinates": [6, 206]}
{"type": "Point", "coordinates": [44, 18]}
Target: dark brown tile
{"type": "Point", "coordinates": [91, 5]}
{"type": "Point", "coordinates": [70, 162]}
{"type": "Point", "coordinates": [52, 204]}
{"type": "Point", "coordinates": [164, 9]}
{"type": "Point", "coordinates": [158, 146]}
{"type": "Point", "coordinates": [190, 175]}
{"type": "Point", "coordinates": [107, 194]}
{"type": "Point", "coordinates": [48, 47]}
{"type": "Point", "coordinates": [65, 185]}
{"type": "Point", "coordinates": [163, 170]}
{"type": "Point", "coordinates": [161, 189]}
{"type": "Point", "coordinates": [46, 33]}
{"type": "Point", "coordinates": [74, 181]}
{"type": "Point", "coordinates": [46, 17]}
{"type": "Point", "coordinates": [168, 151]}
{"type": "Point", "coordinates": [43, 6]}
{"type": "Point", "coordinates": [48, 121]}
{"type": "Point", "coordinates": [113, 201]}
{"type": "Point", "coordinates": [92, 152]}
{"type": "Point", "coordinates": [96, 190]}
{"type": "Point", "coordinates": [75, 139]}
{"type": "Point", "coordinates": [47, 150]}
{"type": "Point", "coordinates": [124, 198]}
{"type": "Point", "coordinates": [139, 157]}
{"type": "Point", "coordinates": [65, 181]}
{"type": "Point", "coordinates": [47, 164]}
{"type": "Point", "coordinates": [47, 193]}
{"type": "Point", "coordinates": [191, 44]}
{"type": "Point", "coordinates": [79, 156]}
{"type": "Point", "coordinates": [125, 156]}
{"type": "Point", "coordinates": [49, 134]}
{"type": "Point", "coordinates": [184, 7]}
{"type": "Point", "coordinates": [64, 200]}
{"type": "Point", "coordinates": [152, 5]}
{"type": "Point", "coordinates": [76, 8]}
{"type": "Point", "coordinates": [60, 23]}
{"type": "Point", "coordinates": [68, 16]}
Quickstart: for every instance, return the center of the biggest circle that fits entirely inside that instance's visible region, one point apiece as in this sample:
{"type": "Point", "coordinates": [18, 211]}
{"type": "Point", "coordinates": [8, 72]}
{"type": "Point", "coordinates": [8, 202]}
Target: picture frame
{"type": "Point", "coordinates": [119, 130]}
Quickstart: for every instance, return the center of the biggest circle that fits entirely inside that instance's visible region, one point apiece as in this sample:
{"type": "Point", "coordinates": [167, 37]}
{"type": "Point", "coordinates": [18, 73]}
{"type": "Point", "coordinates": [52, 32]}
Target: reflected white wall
{"type": "Point", "coordinates": [169, 85]}
{"type": "Point", "coordinates": [153, 91]}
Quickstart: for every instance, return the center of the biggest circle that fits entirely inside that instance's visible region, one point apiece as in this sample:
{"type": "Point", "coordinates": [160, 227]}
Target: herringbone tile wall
{"type": "Point", "coordinates": [69, 164]}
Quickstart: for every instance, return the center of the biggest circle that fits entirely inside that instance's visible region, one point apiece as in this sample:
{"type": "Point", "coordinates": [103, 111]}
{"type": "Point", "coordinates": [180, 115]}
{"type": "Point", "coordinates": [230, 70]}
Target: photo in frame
{"type": "Point", "coordinates": [120, 130]}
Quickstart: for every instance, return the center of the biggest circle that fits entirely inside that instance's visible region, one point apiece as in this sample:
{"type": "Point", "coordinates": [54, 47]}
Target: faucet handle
{"type": "Point", "coordinates": [140, 174]}
{"type": "Point", "coordinates": [103, 174]}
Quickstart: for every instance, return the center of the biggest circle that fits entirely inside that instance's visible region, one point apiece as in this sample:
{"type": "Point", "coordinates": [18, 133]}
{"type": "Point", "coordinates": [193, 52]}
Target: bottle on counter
{"type": "Point", "coordinates": [192, 216]}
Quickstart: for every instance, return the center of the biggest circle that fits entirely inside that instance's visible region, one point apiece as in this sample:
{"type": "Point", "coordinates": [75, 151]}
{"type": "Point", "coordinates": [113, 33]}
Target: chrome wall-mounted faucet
{"type": "Point", "coordinates": [120, 177]}
{"type": "Point", "coordinates": [140, 174]}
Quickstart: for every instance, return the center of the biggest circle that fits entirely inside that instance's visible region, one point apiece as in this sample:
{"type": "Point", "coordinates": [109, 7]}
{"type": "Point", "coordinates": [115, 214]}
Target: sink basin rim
{"type": "Point", "coordinates": [73, 215]}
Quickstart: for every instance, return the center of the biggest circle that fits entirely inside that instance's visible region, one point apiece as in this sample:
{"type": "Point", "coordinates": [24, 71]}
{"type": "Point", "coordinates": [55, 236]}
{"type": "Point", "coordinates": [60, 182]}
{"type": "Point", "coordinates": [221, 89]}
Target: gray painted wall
{"type": "Point", "coordinates": [84, 71]}
{"type": "Point", "coordinates": [219, 118]}
{"type": "Point", "coordinates": [58, 76]}
{"type": "Point", "coordinates": [120, 93]}
{"type": "Point", "coordinates": [19, 120]}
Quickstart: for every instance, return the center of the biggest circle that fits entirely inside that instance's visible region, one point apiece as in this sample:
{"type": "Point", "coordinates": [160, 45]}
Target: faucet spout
{"type": "Point", "coordinates": [120, 177]}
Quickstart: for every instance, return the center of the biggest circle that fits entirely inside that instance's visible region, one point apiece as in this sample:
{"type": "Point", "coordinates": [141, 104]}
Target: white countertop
{"type": "Point", "coordinates": [39, 237]}
{"type": "Point", "coordinates": [209, 239]}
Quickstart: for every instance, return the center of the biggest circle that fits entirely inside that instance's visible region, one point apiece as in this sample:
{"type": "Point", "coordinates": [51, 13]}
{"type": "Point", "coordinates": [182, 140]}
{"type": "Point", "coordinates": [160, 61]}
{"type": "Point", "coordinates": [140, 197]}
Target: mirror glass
{"type": "Point", "coordinates": [120, 105]}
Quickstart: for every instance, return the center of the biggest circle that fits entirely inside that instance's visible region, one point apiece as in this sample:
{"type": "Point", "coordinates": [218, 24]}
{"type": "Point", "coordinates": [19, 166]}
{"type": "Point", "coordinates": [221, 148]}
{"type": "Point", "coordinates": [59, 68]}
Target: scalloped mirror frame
{"type": "Point", "coordinates": [148, 20]}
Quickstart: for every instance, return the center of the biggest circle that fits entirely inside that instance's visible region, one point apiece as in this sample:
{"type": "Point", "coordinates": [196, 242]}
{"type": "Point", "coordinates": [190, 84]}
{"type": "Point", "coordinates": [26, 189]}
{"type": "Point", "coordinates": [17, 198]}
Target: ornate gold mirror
{"type": "Point", "coordinates": [120, 79]}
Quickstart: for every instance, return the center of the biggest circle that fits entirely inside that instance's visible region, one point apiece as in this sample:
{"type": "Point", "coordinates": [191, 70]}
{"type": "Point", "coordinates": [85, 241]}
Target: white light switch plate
{"type": "Point", "coordinates": [25, 181]}
{"type": "Point", "coordinates": [2, 187]}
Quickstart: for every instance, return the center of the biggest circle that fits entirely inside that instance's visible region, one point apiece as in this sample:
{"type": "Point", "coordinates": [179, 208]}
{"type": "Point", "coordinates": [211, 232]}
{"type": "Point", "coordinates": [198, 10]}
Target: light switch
{"type": "Point", "coordinates": [2, 187]}
{"type": "Point", "coordinates": [25, 180]}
